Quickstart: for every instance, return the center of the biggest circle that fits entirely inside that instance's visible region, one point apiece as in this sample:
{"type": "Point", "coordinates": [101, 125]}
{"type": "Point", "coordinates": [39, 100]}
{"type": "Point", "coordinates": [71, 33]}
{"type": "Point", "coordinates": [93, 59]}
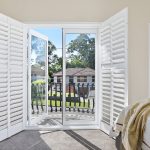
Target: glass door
{"type": "Point", "coordinates": [79, 77]}
{"type": "Point", "coordinates": [38, 80]}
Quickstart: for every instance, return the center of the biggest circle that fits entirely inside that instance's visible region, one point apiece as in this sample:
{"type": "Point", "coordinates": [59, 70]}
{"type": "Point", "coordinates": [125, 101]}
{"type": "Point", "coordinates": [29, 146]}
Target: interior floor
{"type": "Point", "coordinates": [59, 140]}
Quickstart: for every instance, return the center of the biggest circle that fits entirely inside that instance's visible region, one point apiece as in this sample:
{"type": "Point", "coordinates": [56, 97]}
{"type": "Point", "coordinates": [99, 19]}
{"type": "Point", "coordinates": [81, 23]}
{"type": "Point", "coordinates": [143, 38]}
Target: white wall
{"type": "Point", "coordinates": [95, 10]}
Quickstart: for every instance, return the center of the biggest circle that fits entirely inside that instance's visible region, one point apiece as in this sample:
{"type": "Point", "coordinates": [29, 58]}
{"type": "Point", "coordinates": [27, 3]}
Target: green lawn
{"type": "Point", "coordinates": [58, 94]}
{"type": "Point", "coordinates": [57, 103]}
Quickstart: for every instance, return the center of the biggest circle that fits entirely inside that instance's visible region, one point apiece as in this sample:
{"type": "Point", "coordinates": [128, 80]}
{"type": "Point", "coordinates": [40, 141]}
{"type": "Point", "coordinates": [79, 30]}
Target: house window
{"type": "Point", "coordinates": [71, 79]}
{"type": "Point", "coordinates": [59, 79]}
{"type": "Point", "coordinates": [82, 79]}
{"type": "Point", "coordinates": [93, 78]}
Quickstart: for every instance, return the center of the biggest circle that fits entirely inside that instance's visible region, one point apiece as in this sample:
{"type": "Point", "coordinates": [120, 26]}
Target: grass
{"type": "Point", "coordinates": [58, 94]}
{"type": "Point", "coordinates": [57, 103]}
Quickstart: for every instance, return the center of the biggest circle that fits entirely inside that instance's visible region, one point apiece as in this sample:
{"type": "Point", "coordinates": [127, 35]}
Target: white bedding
{"type": "Point", "coordinates": [119, 123]}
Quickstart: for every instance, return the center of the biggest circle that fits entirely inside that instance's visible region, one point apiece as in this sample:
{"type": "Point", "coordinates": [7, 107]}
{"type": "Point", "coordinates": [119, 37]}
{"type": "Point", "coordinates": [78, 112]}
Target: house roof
{"type": "Point", "coordinates": [77, 72]}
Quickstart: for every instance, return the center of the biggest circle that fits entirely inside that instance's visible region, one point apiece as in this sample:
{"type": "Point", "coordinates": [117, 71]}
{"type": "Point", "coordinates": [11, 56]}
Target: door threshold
{"type": "Point", "coordinates": [62, 127]}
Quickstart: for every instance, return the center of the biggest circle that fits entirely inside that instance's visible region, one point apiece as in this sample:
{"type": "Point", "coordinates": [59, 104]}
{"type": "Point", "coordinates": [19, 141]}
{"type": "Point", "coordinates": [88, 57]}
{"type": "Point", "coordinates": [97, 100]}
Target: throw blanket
{"type": "Point", "coordinates": [131, 123]}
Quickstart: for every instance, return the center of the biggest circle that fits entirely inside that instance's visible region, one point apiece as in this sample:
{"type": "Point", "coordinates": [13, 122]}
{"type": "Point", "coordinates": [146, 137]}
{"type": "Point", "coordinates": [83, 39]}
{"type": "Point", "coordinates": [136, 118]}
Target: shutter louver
{"type": "Point", "coordinates": [115, 72]}
{"type": "Point", "coordinates": [3, 79]}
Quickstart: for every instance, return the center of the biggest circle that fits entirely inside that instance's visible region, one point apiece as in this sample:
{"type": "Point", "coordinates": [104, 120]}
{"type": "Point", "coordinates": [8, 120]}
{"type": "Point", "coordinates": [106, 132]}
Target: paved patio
{"type": "Point", "coordinates": [59, 140]}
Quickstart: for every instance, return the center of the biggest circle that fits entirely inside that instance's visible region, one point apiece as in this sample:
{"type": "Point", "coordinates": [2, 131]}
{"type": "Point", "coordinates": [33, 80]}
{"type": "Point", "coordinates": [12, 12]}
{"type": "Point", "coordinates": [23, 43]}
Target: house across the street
{"type": "Point", "coordinates": [76, 75]}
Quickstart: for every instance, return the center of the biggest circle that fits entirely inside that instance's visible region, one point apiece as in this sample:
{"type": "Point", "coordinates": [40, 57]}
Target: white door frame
{"type": "Point", "coordinates": [66, 25]}
{"type": "Point", "coordinates": [80, 27]}
{"type": "Point", "coordinates": [79, 31]}
{"type": "Point", "coordinates": [32, 32]}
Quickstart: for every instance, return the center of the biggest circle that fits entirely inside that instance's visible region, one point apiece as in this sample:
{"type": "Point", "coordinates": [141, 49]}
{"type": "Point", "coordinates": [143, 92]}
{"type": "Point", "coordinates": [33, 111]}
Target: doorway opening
{"type": "Point", "coordinates": [62, 77]}
{"type": "Point", "coordinates": [70, 93]}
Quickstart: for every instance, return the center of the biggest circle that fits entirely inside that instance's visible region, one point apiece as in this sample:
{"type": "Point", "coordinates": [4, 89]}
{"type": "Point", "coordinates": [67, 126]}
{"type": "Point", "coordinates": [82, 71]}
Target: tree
{"type": "Point", "coordinates": [75, 61]}
{"type": "Point", "coordinates": [54, 62]}
{"type": "Point", "coordinates": [51, 49]}
{"type": "Point", "coordinates": [82, 52]}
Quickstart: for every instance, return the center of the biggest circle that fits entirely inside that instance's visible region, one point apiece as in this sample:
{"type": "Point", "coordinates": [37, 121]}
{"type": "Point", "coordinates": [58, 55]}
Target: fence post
{"type": "Point", "coordinates": [55, 97]}
{"type": "Point", "coordinates": [74, 91]}
{"type": "Point", "coordinates": [83, 94]}
{"type": "Point", "coordinates": [88, 98]}
{"type": "Point", "coordinates": [78, 89]}
{"type": "Point", "coordinates": [51, 94]}
{"type": "Point", "coordinates": [93, 99]}
{"type": "Point", "coordinates": [60, 97]}
{"type": "Point", "coordinates": [32, 97]}
{"type": "Point", "coordinates": [69, 95]}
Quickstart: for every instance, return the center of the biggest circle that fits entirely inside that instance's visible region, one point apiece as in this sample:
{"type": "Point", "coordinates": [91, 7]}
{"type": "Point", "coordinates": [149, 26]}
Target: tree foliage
{"type": "Point", "coordinates": [54, 62]}
{"type": "Point", "coordinates": [82, 52]}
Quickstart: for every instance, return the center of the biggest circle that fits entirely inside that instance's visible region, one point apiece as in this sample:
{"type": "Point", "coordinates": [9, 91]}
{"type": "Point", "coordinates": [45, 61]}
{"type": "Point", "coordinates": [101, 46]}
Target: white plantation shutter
{"type": "Point", "coordinates": [16, 76]}
{"type": "Point", "coordinates": [106, 95]}
{"type": "Point", "coordinates": [4, 41]}
{"type": "Point", "coordinates": [106, 72]}
{"type": "Point", "coordinates": [12, 73]}
{"type": "Point", "coordinates": [119, 91]}
{"type": "Point", "coordinates": [106, 44]}
{"type": "Point", "coordinates": [114, 67]}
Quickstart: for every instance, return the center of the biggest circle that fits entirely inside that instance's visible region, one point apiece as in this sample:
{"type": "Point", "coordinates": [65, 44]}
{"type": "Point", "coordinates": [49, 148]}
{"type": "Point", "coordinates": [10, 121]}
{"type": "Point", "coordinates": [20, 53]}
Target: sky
{"type": "Point", "coordinates": [55, 36]}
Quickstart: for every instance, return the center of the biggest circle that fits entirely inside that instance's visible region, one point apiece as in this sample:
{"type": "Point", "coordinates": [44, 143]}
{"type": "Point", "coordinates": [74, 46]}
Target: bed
{"type": "Point", "coordinates": [117, 130]}
{"type": "Point", "coordinates": [146, 138]}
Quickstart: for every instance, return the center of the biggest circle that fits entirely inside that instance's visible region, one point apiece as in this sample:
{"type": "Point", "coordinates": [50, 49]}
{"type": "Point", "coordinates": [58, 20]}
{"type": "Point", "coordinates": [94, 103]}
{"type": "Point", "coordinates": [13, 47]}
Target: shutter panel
{"type": "Point", "coordinates": [3, 77]}
{"type": "Point", "coordinates": [12, 73]}
{"type": "Point", "coordinates": [119, 63]}
{"type": "Point", "coordinates": [106, 72]}
{"type": "Point", "coordinates": [114, 68]}
{"type": "Point", "coordinates": [16, 76]}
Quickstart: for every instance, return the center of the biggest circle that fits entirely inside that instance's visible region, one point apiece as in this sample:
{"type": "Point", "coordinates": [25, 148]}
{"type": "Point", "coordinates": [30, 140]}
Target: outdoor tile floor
{"type": "Point", "coordinates": [59, 140]}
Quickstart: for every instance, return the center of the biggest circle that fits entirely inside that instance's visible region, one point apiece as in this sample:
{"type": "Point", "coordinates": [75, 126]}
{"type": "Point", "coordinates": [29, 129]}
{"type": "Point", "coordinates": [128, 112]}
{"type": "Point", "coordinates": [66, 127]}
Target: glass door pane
{"type": "Point", "coordinates": [79, 78]}
{"type": "Point", "coordinates": [38, 76]}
